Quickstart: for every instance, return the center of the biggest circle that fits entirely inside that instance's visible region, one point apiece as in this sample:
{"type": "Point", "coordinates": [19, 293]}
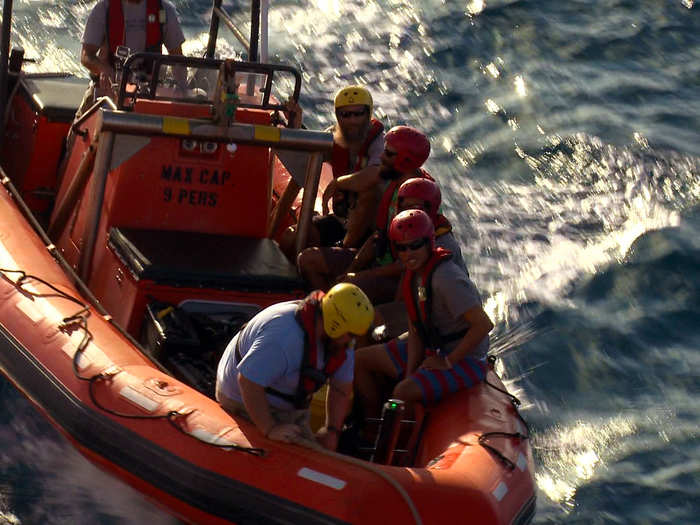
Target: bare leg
{"type": "Point", "coordinates": [321, 267]}
{"type": "Point", "coordinates": [373, 369]}
{"type": "Point", "coordinates": [360, 217]}
{"type": "Point", "coordinates": [314, 269]}
{"type": "Point", "coordinates": [288, 239]}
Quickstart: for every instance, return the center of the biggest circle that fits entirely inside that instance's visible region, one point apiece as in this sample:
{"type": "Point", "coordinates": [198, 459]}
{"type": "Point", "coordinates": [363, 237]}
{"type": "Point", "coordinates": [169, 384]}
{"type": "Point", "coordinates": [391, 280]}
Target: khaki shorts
{"type": "Point", "coordinates": [281, 417]}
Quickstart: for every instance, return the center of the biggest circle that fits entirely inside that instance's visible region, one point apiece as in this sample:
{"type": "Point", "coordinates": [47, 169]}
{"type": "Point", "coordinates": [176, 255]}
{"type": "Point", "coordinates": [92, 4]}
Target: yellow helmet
{"type": "Point", "coordinates": [353, 95]}
{"type": "Point", "coordinates": [345, 309]}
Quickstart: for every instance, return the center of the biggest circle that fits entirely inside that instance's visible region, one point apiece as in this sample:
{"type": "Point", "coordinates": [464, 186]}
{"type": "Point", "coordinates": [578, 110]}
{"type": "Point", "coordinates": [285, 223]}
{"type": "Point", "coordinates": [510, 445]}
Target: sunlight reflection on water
{"type": "Point", "coordinates": [571, 454]}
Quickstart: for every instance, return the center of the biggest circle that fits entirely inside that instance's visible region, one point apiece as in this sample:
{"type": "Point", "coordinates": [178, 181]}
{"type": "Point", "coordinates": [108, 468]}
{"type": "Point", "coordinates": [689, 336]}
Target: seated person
{"type": "Point", "coordinates": [424, 194]}
{"type": "Point", "coordinates": [288, 351]}
{"type": "Point", "coordinates": [357, 145]}
{"type": "Point", "coordinates": [405, 151]}
{"type": "Point", "coordinates": [445, 348]}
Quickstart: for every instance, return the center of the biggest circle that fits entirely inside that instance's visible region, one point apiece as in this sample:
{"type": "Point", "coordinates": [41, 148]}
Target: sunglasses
{"type": "Point", "coordinates": [348, 114]}
{"type": "Point", "coordinates": [415, 245]}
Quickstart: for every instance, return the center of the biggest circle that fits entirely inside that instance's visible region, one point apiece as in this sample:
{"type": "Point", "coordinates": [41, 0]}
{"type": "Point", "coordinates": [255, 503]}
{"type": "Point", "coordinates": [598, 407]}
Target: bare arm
{"type": "Point", "coordinates": [388, 270]}
{"type": "Point", "coordinates": [255, 401]}
{"type": "Point", "coordinates": [294, 113]}
{"type": "Point", "coordinates": [364, 255]}
{"type": "Point", "coordinates": [479, 326]}
{"type": "Point", "coordinates": [337, 408]}
{"type": "Point", "coordinates": [96, 65]}
{"type": "Point", "coordinates": [361, 180]}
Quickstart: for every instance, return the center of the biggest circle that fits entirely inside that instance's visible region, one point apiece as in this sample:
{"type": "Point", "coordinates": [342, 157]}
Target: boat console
{"type": "Point", "coordinates": [166, 189]}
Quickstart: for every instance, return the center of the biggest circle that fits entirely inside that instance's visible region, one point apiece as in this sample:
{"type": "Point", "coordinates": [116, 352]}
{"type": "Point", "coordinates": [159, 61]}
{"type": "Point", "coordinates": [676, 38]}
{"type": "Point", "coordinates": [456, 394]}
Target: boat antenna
{"type": "Point", "coordinates": [213, 29]}
{"type": "Point", "coordinates": [254, 31]}
{"type": "Point", "coordinates": [264, 30]}
{"type": "Point", "coordinates": [4, 61]}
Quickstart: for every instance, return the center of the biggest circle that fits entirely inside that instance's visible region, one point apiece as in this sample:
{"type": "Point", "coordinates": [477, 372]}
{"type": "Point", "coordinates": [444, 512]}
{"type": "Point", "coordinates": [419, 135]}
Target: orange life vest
{"type": "Point", "coordinates": [310, 377]}
{"type": "Point", "coordinates": [116, 30]}
{"type": "Point", "coordinates": [340, 157]}
{"type": "Point", "coordinates": [419, 301]}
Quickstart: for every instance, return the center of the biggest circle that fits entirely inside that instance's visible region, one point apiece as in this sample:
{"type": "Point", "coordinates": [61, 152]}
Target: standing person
{"type": "Point", "coordinates": [445, 348]}
{"type": "Point", "coordinates": [358, 140]}
{"type": "Point", "coordinates": [272, 367]}
{"type": "Point", "coordinates": [375, 271]}
{"type": "Point", "coordinates": [140, 25]}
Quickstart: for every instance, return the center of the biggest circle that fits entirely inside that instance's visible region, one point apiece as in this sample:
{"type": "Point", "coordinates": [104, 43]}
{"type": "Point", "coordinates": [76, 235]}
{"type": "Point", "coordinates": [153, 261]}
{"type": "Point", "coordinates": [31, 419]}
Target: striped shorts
{"type": "Point", "coordinates": [436, 384]}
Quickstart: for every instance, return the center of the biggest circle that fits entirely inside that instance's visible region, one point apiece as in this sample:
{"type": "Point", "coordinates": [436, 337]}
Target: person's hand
{"type": "Point", "coordinates": [286, 432]}
{"type": "Point", "coordinates": [435, 362]}
{"type": "Point", "coordinates": [328, 195]}
{"type": "Point", "coordinates": [328, 437]}
{"type": "Point", "coordinates": [107, 76]}
{"type": "Point", "coordinates": [349, 277]}
{"type": "Point", "coordinates": [293, 112]}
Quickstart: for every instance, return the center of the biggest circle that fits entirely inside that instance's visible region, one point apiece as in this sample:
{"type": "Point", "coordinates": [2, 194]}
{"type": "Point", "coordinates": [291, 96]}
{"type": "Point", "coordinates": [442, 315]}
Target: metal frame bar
{"type": "Point", "coordinates": [254, 31]}
{"type": "Point", "coordinates": [159, 60]}
{"type": "Point", "coordinates": [213, 29]}
{"type": "Point", "coordinates": [313, 177]}
{"type": "Point", "coordinates": [257, 46]}
{"type": "Point", "coordinates": [4, 61]}
{"type": "Point", "coordinates": [221, 14]}
{"type": "Point", "coordinates": [95, 201]}
{"type": "Point", "coordinates": [259, 135]}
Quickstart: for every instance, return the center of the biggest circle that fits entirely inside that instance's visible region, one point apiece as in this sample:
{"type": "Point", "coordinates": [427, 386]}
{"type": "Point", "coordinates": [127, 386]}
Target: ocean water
{"type": "Point", "coordinates": [566, 138]}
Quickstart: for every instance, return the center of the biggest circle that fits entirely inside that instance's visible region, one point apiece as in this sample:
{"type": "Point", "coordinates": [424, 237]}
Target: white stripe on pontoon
{"type": "Point", "coordinates": [210, 438]}
{"type": "Point", "coordinates": [27, 308]}
{"type": "Point", "coordinates": [500, 491]}
{"type": "Point", "coordinates": [522, 462]}
{"type": "Point", "coordinates": [139, 399]}
{"type": "Point", "coordinates": [69, 350]}
{"type": "Point", "coordinates": [320, 477]}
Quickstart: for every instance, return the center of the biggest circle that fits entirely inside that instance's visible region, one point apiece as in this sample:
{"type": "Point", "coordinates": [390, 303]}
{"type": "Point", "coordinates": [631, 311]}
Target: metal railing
{"type": "Point", "coordinates": [257, 45]}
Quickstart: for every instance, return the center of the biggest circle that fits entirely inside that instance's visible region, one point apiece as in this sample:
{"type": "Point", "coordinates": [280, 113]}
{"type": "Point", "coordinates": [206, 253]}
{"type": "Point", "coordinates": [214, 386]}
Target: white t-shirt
{"type": "Point", "coordinates": [135, 26]}
{"type": "Point", "coordinates": [272, 348]}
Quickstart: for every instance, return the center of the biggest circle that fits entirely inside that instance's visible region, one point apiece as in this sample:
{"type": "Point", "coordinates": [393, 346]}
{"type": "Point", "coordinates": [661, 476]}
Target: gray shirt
{"type": "Point", "coordinates": [453, 295]}
{"type": "Point", "coordinates": [135, 26]}
{"type": "Point", "coordinates": [449, 242]}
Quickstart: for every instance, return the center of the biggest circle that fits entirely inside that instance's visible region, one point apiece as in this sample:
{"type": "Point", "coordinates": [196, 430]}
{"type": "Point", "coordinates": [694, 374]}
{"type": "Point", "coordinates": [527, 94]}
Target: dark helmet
{"type": "Point", "coordinates": [424, 189]}
{"type": "Point", "coordinates": [411, 225]}
{"type": "Point", "coordinates": [412, 147]}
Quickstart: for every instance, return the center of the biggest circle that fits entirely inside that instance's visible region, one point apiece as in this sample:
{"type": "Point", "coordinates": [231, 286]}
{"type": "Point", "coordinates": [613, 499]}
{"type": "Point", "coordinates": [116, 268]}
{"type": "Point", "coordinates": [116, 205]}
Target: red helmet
{"type": "Point", "coordinates": [424, 189]}
{"type": "Point", "coordinates": [412, 147]}
{"type": "Point", "coordinates": [411, 225]}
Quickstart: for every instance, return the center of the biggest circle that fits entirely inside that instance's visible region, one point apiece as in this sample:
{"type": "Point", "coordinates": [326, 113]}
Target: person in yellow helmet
{"type": "Point", "coordinates": [358, 142]}
{"type": "Point", "coordinates": [288, 351]}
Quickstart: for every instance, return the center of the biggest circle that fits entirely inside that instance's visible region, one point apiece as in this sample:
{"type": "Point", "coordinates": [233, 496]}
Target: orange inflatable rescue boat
{"type": "Point", "coordinates": [127, 264]}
